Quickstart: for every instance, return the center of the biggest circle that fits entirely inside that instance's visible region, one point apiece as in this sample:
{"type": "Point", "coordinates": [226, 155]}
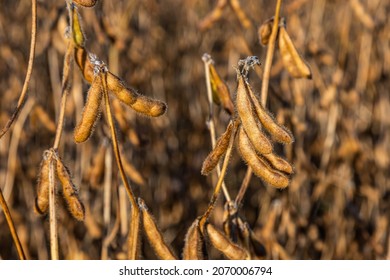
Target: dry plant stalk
{"type": "Point", "coordinates": [153, 233]}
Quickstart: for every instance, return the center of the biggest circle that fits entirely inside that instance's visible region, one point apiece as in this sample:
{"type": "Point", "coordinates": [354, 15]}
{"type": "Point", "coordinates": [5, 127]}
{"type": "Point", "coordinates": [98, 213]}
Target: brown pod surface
{"type": "Point", "coordinates": [293, 62]}
{"type": "Point", "coordinates": [219, 150]}
{"type": "Point", "coordinates": [249, 119]}
{"type": "Point", "coordinates": [264, 31]}
{"type": "Point", "coordinates": [193, 246]}
{"type": "Point", "coordinates": [153, 234]}
{"type": "Point", "coordinates": [140, 103]}
{"type": "Point", "coordinates": [258, 165]}
{"type": "Point", "coordinates": [42, 199]}
{"type": "Point", "coordinates": [225, 245]}
{"type": "Point", "coordinates": [84, 63]}
{"type": "Point", "coordinates": [221, 94]}
{"type": "Point", "coordinates": [91, 111]}
{"type": "Point", "coordinates": [280, 133]}
{"type": "Point", "coordinates": [77, 31]}
{"type": "Point", "coordinates": [279, 163]}
{"type": "Point", "coordinates": [85, 3]}
{"type": "Point", "coordinates": [70, 192]}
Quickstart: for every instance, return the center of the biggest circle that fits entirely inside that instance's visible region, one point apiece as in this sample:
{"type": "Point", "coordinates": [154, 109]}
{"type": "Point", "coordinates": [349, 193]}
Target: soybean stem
{"type": "Point", "coordinates": [11, 226]}
{"type": "Point", "coordinates": [270, 55]}
{"type": "Point", "coordinates": [65, 90]}
{"type": "Point", "coordinates": [133, 233]}
{"type": "Point", "coordinates": [52, 211]}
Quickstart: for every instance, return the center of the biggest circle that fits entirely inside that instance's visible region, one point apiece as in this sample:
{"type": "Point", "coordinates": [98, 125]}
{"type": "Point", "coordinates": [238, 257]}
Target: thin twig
{"type": "Point", "coordinates": [23, 94]}
{"type": "Point", "coordinates": [133, 233]}
{"type": "Point", "coordinates": [11, 227]}
{"type": "Point", "coordinates": [52, 210]}
{"type": "Point", "coordinates": [65, 90]}
{"type": "Point", "coordinates": [270, 55]}
{"type": "Point", "coordinates": [244, 187]}
{"type": "Point", "coordinates": [211, 124]}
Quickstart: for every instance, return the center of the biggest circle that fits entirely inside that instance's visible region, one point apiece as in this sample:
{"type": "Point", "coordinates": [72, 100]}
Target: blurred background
{"type": "Point", "coordinates": [337, 205]}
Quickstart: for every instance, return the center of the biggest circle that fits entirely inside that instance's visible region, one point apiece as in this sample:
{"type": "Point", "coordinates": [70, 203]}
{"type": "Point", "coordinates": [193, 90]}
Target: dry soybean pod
{"type": "Point", "coordinates": [260, 168]}
{"type": "Point", "coordinates": [220, 90]}
{"type": "Point", "coordinates": [223, 244]}
{"type": "Point", "coordinates": [264, 31]}
{"type": "Point", "coordinates": [91, 111]}
{"type": "Point", "coordinates": [70, 192]}
{"type": "Point", "coordinates": [85, 3]}
{"type": "Point", "coordinates": [140, 103]}
{"type": "Point", "coordinates": [83, 60]}
{"type": "Point", "coordinates": [278, 163]}
{"type": "Point", "coordinates": [293, 62]}
{"type": "Point", "coordinates": [219, 150]}
{"type": "Point", "coordinates": [249, 119]}
{"type": "Point", "coordinates": [42, 199]}
{"type": "Point", "coordinates": [153, 234]}
{"type": "Point", "coordinates": [280, 133]}
{"type": "Point", "coordinates": [77, 31]}
{"type": "Point", "coordinates": [194, 242]}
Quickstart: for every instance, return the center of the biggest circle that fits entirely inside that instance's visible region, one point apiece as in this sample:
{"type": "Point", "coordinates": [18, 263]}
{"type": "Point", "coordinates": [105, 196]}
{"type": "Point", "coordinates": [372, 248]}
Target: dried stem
{"type": "Point", "coordinates": [65, 90]}
{"type": "Point", "coordinates": [23, 94]}
{"type": "Point", "coordinates": [244, 187]}
{"type": "Point", "coordinates": [52, 211]}
{"type": "Point", "coordinates": [11, 227]}
{"type": "Point", "coordinates": [210, 122]}
{"type": "Point", "coordinates": [270, 55]}
{"type": "Point", "coordinates": [220, 179]}
{"type": "Point", "coordinates": [133, 233]}
{"type": "Point", "coordinates": [68, 61]}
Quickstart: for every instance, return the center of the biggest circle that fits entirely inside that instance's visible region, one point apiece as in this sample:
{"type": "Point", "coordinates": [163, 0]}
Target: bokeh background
{"type": "Point", "coordinates": [337, 205]}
